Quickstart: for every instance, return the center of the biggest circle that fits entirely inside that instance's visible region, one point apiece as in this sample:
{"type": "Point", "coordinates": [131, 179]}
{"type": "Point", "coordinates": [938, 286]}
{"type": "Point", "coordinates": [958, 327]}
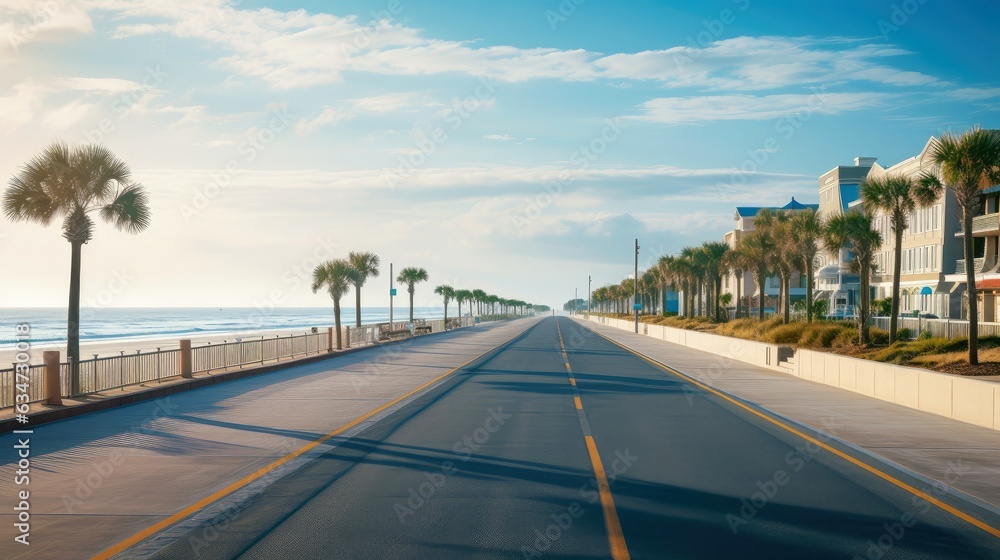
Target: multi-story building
{"type": "Point", "coordinates": [840, 188]}
{"type": "Point", "coordinates": [932, 272]}
{"type": "Point", "coordinates": [742, 225]}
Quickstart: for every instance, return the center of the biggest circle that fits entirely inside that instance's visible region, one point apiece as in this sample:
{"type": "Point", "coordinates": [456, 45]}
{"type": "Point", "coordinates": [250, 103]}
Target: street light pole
{"type": "Point", "coordinates": [635, 287]}
{"type": "Point", "coordinates": [589, 298]}
{"type": "Point", "coordinates": [390, 296]}
{"type": "Point", "coordinates": [576, 299]}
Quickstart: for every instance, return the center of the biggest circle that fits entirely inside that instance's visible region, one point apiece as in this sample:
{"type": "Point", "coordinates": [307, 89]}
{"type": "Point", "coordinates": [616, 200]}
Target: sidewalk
{"type": "Point", "coordinates": [929, 445]}
{"type": "Point", "coordinates": [99, 478]}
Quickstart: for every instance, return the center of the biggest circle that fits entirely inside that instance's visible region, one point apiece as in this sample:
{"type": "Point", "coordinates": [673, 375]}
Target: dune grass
{"type": "Point", "coordinates": [840, 337]}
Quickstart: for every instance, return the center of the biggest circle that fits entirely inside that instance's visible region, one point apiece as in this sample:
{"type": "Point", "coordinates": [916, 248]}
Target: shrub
{"type": "Point", "coordinates": [786, 334]}
{"type": "Point", "coordinates": [904, 334]}
{"type": "Point", "coordinates": [878, 336]}
{"type": "Point", "coordinates": [924, 335]}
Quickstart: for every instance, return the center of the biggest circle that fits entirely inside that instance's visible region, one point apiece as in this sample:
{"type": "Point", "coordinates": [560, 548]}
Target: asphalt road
{"type": "Point", "coordinates": [524, 456]}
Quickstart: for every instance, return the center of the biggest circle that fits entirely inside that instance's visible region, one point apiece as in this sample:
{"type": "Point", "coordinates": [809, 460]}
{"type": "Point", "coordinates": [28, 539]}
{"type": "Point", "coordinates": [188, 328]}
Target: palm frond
{"type": "Point", "coordinates": [129, 211]}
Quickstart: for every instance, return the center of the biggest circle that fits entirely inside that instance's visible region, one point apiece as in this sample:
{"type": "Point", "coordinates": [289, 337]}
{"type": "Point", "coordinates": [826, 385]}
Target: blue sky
{"type": "Point", "coordinates": [436, 132]}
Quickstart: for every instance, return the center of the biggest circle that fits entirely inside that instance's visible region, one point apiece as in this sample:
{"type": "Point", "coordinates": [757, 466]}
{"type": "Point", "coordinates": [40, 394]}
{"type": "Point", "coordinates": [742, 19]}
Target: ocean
{"type": "Point", "coordinates": [48, 324]}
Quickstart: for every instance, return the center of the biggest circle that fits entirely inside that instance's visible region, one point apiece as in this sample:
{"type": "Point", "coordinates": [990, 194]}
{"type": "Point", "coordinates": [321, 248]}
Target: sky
{"type": "Point", "coordinates": [516, 147]}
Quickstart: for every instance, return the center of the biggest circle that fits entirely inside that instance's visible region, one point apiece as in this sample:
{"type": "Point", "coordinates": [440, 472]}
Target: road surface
{"type": "Point", "coordinates": [562, 444]}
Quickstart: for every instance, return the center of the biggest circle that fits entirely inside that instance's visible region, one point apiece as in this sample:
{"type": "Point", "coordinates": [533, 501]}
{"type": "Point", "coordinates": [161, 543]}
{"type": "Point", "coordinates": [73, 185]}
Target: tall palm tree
{"type": "Point", "coordinates": [756, 248]}
{"type": "Point", "coordinates": [363, 266]}
{"type": "Point", "coordinates": [968, 163]}
{"type": "Point", "coordinates": [411, 277]}
{"type": "Point", "coordinates": [854, 231]}
{"type": "Point", "coordinates": [684, 271]}
{"type": "Point", "coordinates": [447, 292]}
{"type": "Point", "coordinates": [715, 253]}
{"type": "Point", "coordinates": [736, 262]}
{"type": "Point", "coordinates": [668, 278]}
{"type": "Point", "coordinates": [71, 183]}
{"type": "Point", "coordinates": [479, 296]}
{"type": "Point", "coordinates": [336, 276]}
{"type": "Point", "coordinates": [897, 196]}
{"type": "Point", "coordinates": [806, 233]}
{"type": "Point", "coordinates": [463, 295]}
{"type": "Point", "coordinates": [783, 259]}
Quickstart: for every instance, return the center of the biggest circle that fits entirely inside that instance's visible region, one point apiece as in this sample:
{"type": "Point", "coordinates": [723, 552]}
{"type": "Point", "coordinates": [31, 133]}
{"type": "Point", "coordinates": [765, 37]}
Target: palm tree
{"type": "Point", "coordinates": [715, 253]}
{"type": "Point", "coordinates": [72, 183]}
{"type": "Point", "coordinates": [411, 276]}
{"type": "Point", "coordinates": [806, 231]}
{"type": "Point", "coordinates": [336, 275]}
{"type": "Point", "coordinates": [668, 278]}
{"type": "Point", "coordinates": [854, 231]}
{"type": "Point", "coordinates": [460, 296]}
{"type": "Point", "coordinates": [967, 164]}
{"type": "Point", "coordinates": [736, 262]}
{"type": "Point", "coordinates": [756, 248]}
{"type": "Point", "coordinates": [363, 267]}
{"type": "Point", "coordinates": [447, 292]}
{"type": "Point", "coordinates": [897, 196]}
{"type": "Point", "coordinates": [479, 296]}
{"type": "Point", "coordinates": [783, 259]}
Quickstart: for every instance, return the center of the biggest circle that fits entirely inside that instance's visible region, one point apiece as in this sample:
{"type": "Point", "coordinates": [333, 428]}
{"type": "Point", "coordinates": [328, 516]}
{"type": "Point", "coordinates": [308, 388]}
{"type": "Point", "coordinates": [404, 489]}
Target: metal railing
{"type": "Point", "coordinates": [114, 372]}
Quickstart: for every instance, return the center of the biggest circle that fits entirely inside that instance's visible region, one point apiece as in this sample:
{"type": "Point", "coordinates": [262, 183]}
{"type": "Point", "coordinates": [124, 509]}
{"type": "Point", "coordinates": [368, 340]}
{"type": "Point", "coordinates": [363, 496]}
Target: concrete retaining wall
{"type": "Point", "coordinates": [961, 398]}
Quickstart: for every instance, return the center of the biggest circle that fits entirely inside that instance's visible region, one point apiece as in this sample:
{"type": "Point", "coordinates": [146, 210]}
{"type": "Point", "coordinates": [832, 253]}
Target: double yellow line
{"type": "Point", "coordinates": [616, 538]}
{"type": "Point", "coordinates": [869, 468]}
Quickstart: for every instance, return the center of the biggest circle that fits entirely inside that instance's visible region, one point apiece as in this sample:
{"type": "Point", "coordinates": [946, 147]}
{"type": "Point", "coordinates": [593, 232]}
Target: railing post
{"type": "Point", "coordinates": [347, 337]}
{"type": "Point", "coordinates": [186, 358]}
{"type": "Point", "coordinates": [53, 385]}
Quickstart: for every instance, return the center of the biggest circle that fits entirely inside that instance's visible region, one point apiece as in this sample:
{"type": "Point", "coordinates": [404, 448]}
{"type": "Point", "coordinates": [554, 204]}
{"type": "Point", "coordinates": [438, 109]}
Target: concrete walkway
{"type": "Point", "coordinates": [967, 457]}
{"type": "Point", "coordinates": [99, 478]}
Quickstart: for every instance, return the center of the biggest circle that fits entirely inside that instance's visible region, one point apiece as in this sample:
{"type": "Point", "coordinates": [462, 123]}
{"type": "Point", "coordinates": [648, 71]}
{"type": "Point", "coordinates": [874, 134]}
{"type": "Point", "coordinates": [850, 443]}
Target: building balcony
{"type": "Point", "coordinates": [983, 226]}
{"type": "Point", "coordinates": [977, 263]}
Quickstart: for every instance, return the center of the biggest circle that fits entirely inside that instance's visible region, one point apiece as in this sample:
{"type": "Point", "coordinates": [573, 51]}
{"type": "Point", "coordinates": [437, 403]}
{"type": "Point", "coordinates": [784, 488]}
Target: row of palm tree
{"type": "Point", "coordinates": [785, 243]}
{"type": "Point", "coordinates": [492, 304]}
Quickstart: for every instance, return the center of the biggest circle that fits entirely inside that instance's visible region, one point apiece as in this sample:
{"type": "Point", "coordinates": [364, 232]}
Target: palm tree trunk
{"type": "Point", "coordinates": [970, 282]}
{"type": "Point", "coordinates": [739, 292]}
{"type": "Point", "coordinates": [718, 297]}
{"type": "Point", "coordinates": [73, 319]}
{"type": "Point", "coordinates": [459, 310]}
{"type": "Point", "coordinates": [809, 290]}
{"type": "Point", "coordinates": [896, 269]}
{"type": "Point", "coordinates": [357, 306]}
{"type": "Point", "coordinates": [336, 322]}
{"type": "Point", "coordinates": [446, 314]}
{"type": "Point", "coordinates": [411, 303]}
{"type": "Point", "coordinates": [786, 283]}
{"type": "Point", "coordinates": [759, 280]}
{"type": "Point", "coordinates": [865, 310]}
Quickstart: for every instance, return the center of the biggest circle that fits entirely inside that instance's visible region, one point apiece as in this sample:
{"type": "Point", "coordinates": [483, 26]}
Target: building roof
{"type": "Point", "coordinates": [751, 211]}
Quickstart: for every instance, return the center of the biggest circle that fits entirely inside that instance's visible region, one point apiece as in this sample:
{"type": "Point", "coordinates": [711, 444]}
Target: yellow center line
{"type": "Point", "coordinates": [204, 502]}
{"type": "Point", "coordinates": [619, 551]}
{"type": "Point", "coordinates": [883, 475]}
{"type": "Point", "coordinates": [616, 538]}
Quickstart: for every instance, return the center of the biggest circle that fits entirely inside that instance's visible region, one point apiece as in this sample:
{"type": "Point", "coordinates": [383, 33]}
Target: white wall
{"type": "Point", "coordinates": [961, 398]}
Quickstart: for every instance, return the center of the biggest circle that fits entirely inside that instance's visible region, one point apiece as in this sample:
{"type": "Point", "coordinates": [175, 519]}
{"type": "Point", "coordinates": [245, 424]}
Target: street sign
{"type": "Point", "coordinates": [392, 291]}
{"type": "Point", "coordinates": [637, 306]}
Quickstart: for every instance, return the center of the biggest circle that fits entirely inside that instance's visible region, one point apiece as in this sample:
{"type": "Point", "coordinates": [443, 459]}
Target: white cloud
{"type": "Point", "coordinates": [686, 110]}
{"type": "Point", "coordinates": [25, 21]}
{"type": "Point", "coordinates": [501, 137]}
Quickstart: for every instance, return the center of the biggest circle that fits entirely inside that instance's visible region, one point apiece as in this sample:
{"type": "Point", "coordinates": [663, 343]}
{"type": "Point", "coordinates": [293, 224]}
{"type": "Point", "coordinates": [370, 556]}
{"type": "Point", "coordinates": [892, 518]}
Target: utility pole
{"type": "Point", "coordinates": [589, 297]}
{"type": "Point", "coordinates": [390, 296]}
{"type": "Point", "coordinates": [576, 299]}
{"type": "Point", "coordinates": [635, 288]}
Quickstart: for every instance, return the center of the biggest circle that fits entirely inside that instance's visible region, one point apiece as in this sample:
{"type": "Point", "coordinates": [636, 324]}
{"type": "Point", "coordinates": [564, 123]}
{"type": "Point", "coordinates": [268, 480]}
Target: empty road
{"type": "Point", "coordinates": [562, 444]}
